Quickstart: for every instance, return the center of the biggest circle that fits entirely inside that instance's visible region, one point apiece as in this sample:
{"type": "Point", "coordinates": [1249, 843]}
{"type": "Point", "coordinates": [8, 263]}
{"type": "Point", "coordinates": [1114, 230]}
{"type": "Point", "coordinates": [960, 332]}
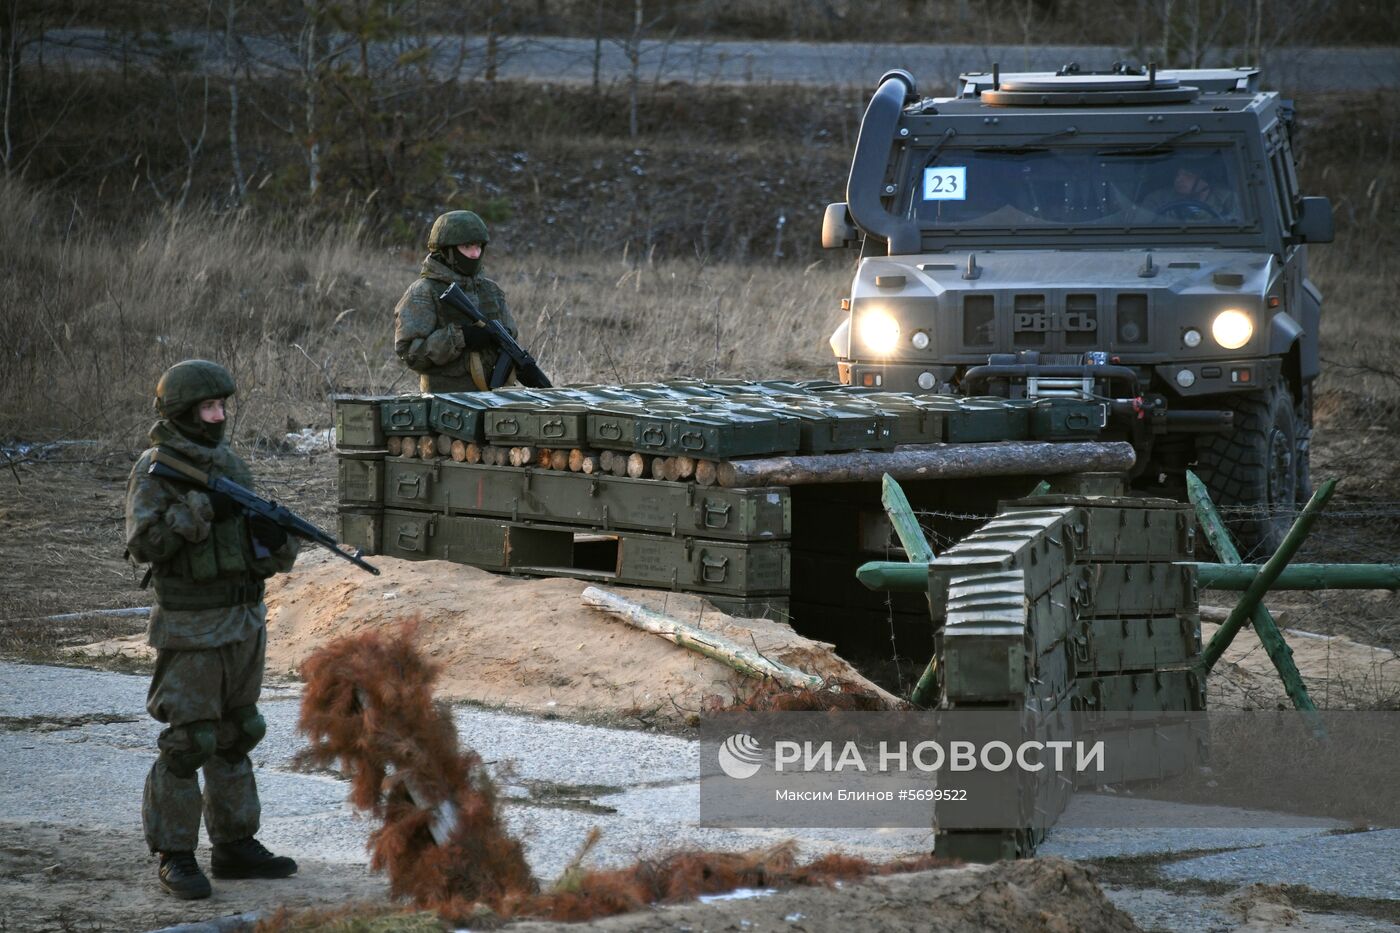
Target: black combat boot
{"type": "Point", "coordinates": [248, 858]}
{"type": "Point", "coordinates": [180, 875]}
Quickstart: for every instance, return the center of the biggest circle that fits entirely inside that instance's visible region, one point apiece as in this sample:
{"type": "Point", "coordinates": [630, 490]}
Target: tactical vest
{"type": "Point", "coordinates": [215, 572]}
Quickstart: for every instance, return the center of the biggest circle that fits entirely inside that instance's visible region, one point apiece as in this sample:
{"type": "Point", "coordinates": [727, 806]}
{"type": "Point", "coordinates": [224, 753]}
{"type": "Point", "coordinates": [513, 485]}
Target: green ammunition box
{"type": "Point", "coordinates": [1036, 543]}
{"type": "Point", "coordinates": [1143, 751]}
{"type": "Point", "coordinates": [1089, 484]}
{"type": "Point", "coordinates": [361, 480]}
{"type": "Point", "coordinates": [1150, 692]}
{"type": "Point", "coordinates": [980, 420]}
{"type": "Point", "coordinates": [362, 529]}
{"type": "Point", "coordinates": [1137, 589]}
{"type": "Point", "coordinates": [1126, 529]}
{"type": "Point", "coordinates": [357, 422]}
{"type": "Point", "coordinates": [829, 428]}
{"type": "Point", "coordinates": [1106, 646]}
{"type": "Point", "coordinates": [405, 414]}
{"type": "Point", "coordinates": [717, 434]}
{"type": "Point", "coordinates": [911, 423]}
{"type": "Point", "coordinates": [983, 846]}
{"type": "Point", "coordinates": [1067, 418]}
{"type": "Point", "coordinates": [611, 428]}
{"type": "Point", "coordinates": [690, 564]}
{"type": "Point", "coordinates": [597, 501]}
{"type": "Point", "coordinates": [490, 545]}
{"type": "Point", "coordinates": [459, 414]}
{"type": "Point", "coordinates": [558, 424]}
{"type": "Point", "coordinates": [704, 566]}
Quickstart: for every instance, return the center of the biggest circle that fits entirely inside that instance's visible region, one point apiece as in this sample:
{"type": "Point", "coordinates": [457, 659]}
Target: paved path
{"type": "Point", "coordinates": [856, 65]}
{"type": "Point", "coordinates": [75, 746]}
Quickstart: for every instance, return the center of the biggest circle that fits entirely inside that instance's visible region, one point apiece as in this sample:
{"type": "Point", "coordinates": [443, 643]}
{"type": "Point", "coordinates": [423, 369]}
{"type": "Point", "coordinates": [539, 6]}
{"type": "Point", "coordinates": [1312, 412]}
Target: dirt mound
{"type": "Point", "coordinates": [1047, 894]}
{"type": "Point", "coordinates": [528, 644]}
{"type": "Point", "coordinates": [1339, 673]}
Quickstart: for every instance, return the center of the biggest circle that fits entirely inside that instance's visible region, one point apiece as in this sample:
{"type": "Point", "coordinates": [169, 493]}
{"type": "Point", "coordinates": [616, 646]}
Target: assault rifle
{"type": "Point", "coordinates": [173, 468]}
{"type": "Point", "coordinates": [512, 353]}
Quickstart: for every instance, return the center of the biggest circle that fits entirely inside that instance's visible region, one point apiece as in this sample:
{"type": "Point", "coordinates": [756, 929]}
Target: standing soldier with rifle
{"type": "Point", "coordinates": [449, 350]}
{"type": "Point", "coordinates": [209, 556]}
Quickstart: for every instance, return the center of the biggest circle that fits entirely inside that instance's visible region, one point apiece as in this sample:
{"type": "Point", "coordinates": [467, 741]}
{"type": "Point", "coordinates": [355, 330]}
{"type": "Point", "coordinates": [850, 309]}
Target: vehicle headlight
{"type": "Point", "coordinates": [879, 331]}
{"type": "Point", "coordinates": [1232, 329]}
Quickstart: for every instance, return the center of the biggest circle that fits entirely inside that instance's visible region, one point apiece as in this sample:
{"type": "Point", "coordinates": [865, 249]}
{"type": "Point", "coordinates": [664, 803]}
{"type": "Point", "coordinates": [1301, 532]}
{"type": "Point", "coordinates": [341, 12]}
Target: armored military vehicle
{"type": "Point", "coordinates": [1135, 235]}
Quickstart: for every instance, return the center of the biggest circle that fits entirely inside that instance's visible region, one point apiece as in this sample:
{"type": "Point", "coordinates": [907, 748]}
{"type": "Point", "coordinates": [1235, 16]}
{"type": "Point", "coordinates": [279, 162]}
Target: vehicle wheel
{"type": "Point", "coordinates": [1253, 472]}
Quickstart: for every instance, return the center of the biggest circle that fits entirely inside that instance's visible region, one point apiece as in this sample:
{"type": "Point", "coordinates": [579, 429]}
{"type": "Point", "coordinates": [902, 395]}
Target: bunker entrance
{"type": "Point", "coordinates": [838, 527]}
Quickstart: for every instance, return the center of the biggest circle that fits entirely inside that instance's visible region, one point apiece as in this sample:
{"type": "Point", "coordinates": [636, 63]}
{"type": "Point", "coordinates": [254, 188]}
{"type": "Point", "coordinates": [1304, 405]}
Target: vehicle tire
{"type": "Point", "coordinates": [1253, 472]}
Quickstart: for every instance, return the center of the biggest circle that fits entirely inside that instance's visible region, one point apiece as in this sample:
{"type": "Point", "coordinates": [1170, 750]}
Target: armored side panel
{"type": "Point", "coordinates": [406, 414]}
{"type": "Point", "coordinates": [362, 529]}
{"type": "Point", "coordinates": [357, 424]}
{"type": "Point", "coordinates": [361, 479]}
{"type": "Point", "coordinates": [597, 501]}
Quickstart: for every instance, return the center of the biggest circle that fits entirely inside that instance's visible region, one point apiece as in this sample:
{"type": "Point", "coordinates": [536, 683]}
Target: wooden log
{"type": "Point", "coordinates": [473, 452]}
{"type": "Point", "coordinates": [458, 450]}
{"type": "Point", "coordinates": [575, 460]}
{"type": "Point", "coordinates": [637, 465]}
{"type": "Point", "coordinates": [559, 460]}
{"type": "Point", "coordinates": [394, 444]}
{"type": "Point", "coordinates": [605, 460]}
{"type": "Point", "coordinates": [525, 456]}
{"type": "Point", "coordinates": [745, 660]}
{"type": "Point", "coordinates": [444, 445]}
{"type": "Point", "coordinates": [706, 472]}
{"type": "Point", "coordinates": [499, 455]}
{"type": "Point", "coordinates": [544, 456]}
{"type": "Point", "coordinates": [660, 467]}
{"type": "Point", "coordinates": [427, 446]}
{"type": "Point", "coordinates": [409, 449]}
{"type": "Point", "coordinates": [932, 461]}
{"type": "Point", "coordinates": [590, 465]}
{"type": "Point", "coordinates": [682, 468]}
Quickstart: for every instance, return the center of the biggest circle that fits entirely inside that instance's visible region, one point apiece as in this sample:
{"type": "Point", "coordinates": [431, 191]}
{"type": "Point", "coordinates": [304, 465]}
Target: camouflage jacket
{"type": "Point", "coordinates": [197, 562]}
{"type": "Point", "coordinates": [428, 334]}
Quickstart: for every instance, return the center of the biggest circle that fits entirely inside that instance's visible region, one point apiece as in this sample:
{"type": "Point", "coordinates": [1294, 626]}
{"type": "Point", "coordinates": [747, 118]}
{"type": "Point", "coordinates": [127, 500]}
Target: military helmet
{"type": "Point", "coordinates": [186, 384]}
{"type": "Point", "coordinates": [455, 228]}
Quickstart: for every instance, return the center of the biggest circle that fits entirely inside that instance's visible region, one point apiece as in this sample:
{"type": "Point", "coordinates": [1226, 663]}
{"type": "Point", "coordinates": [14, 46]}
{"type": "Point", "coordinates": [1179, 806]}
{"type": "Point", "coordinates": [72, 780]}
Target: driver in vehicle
{"type": "Point", "coordinates": [1192, 195]}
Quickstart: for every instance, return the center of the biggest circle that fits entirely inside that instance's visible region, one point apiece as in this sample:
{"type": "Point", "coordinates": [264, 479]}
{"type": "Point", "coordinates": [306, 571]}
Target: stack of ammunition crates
{"type": "Point", "coordinates": [624, 483]}
{"type": "Point", "coordinates": [1073, 604]}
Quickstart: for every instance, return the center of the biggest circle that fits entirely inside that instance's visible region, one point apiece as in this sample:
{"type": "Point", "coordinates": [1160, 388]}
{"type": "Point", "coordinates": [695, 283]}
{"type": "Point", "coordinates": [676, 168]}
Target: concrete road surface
{"type": "Point", "coordinates": [75, 746]}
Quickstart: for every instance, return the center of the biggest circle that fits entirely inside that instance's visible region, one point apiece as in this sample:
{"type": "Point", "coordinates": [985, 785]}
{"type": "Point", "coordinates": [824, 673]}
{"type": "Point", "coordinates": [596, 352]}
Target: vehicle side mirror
{"type": "Point", "coordinates": [1314, 224]}
{"type": "Point", "coordinates": [838, 230]}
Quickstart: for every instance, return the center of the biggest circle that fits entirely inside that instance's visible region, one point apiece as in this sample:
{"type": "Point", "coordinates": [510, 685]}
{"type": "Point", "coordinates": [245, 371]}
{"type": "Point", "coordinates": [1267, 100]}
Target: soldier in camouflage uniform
{"type": "Point", "coordinates": [449, 351]}
{"type": "Point", "coordinates": [208, 562]}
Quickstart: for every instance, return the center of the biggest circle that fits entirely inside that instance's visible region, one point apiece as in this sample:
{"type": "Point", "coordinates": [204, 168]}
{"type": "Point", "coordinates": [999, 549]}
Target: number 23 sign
{"type": "Point", "coordinates": [945, 183]}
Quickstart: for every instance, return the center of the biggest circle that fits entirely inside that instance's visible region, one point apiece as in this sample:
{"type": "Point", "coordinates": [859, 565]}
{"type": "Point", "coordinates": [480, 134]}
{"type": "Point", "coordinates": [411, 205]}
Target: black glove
{"type": "Point", "coordinates": [476, 337]}
{"type": "Point", "coordinates": [268, 532]}
{"type": "Point", "coordinates": [223, 506]}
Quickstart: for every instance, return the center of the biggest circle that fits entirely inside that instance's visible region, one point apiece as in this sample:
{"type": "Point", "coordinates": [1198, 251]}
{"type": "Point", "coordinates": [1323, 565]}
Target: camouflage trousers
{"type": "Point", "coordinates": [190, 687]}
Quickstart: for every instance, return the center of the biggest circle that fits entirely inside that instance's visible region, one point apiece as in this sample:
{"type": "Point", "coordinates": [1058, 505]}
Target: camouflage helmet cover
{"type": "Point", "coordinates": [457, 227]}
{"type": "Point", "coordinates": [188, 383]}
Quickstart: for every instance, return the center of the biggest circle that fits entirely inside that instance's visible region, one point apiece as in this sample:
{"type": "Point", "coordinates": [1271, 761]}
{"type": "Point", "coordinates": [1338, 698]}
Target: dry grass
{"type": "Point", "coordinates": [96, 315]}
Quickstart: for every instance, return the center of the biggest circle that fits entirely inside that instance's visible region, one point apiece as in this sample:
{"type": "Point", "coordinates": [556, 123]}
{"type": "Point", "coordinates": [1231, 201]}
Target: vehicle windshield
{"type": "Point", "coordinates": [1043, 188]}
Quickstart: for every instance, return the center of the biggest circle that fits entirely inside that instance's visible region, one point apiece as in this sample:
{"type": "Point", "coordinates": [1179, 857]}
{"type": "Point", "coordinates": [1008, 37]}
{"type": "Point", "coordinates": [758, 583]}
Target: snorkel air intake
{"type": "Point", "coordinates": [864, 187]}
